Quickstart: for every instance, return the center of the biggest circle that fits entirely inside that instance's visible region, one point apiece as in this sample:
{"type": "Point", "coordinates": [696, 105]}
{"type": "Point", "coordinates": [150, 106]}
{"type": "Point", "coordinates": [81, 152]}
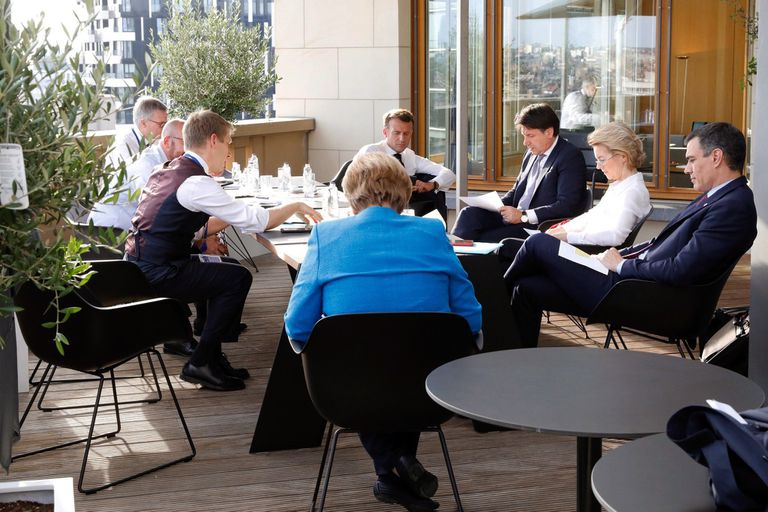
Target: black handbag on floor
{"type": "Point", "coordinates": [726, 342]}
{"type": "Point", "coordinates": [736, 454]}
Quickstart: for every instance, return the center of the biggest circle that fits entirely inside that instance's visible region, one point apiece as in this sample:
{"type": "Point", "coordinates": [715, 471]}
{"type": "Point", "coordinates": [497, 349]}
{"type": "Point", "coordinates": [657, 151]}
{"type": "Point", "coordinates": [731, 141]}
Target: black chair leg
{"type": "Point", "coordinates": [328, 468]}
{"type": "Point", "coordinates": [322, 465]}
{"type": "Point", "coordinates": [116, 403]}
{"type": "Point", "coordinates": [54, 447]}
{"type": "Point", "coordinates": [142, 374]}
{"type": "Point", "coordinates": [621, 339]}
{"type": "Point", "coordinates": [449, 466]}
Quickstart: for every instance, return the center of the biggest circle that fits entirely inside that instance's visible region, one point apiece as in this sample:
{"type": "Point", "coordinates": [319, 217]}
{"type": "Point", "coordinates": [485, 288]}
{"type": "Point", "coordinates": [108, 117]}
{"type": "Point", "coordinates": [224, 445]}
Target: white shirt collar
{"type": "Point", "coordinates": [715, 189]}
{"type": "Point", "coordinates": [198, 159]}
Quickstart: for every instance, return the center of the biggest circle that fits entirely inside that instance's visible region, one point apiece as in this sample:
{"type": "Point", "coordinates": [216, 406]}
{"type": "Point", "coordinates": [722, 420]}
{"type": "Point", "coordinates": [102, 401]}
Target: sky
{"type": "Point", "coordinates": [57, 12]}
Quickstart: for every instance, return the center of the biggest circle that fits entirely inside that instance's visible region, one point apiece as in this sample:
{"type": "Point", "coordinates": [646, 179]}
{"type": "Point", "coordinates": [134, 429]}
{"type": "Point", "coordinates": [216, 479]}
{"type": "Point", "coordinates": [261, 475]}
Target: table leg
{"type": "Point", "coordinates": [588, 452]}
{"type": "Point", "coordinates": [287, 420]}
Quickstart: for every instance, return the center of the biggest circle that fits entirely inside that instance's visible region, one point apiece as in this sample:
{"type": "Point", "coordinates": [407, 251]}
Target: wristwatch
{"type": "Point", "coordinates": [524, 219]}
{"type": "Point", "coordinates": [436, 186]}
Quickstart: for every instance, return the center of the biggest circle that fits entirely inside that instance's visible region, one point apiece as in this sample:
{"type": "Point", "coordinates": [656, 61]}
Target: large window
{"type": "Point", "coordinates": [650, 66]}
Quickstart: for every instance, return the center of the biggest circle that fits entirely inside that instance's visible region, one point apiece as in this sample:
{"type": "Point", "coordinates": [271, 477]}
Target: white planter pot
{"type": "Point", "coordinates": [53, 490]}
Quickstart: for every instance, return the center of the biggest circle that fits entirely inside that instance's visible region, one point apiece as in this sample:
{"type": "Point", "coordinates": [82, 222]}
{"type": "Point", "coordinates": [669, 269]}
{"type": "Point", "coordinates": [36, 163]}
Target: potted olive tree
{"type": "Point", "coordinates": [46, 106]}
{"type": "Point", "coordinates": [213, 61]}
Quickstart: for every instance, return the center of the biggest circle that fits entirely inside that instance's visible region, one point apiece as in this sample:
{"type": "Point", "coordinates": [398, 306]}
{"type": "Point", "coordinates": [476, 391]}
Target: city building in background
{"type": "Point", "coordinates": [122, 30]}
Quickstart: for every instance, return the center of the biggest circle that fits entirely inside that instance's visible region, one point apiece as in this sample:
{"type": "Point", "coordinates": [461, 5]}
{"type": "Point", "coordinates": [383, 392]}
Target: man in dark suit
{"type": "Point", "coordinates": [698, 245]}
{"type": "Point", "coordinates": [551, 183]}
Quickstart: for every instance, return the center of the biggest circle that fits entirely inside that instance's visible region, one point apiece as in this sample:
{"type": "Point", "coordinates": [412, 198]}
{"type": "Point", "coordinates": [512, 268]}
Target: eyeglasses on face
{"type": "Point", "coordinates": [158, 123]}
{"type": "Point", "coordinates": [601, 161]}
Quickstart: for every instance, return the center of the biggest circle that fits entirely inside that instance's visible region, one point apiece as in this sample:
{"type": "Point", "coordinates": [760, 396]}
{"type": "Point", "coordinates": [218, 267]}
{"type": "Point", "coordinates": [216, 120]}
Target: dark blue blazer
{"type": "Point", "coordinates": [701, 242]}
{"type": "Point", "coordinates": [561, 191]}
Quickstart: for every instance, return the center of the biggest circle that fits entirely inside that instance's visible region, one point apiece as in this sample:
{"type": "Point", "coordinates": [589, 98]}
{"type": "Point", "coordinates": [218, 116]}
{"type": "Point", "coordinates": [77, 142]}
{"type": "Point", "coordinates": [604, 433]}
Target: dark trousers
{"type": "Point", "coordinates": [386, 447]}
{"type": "Point", "coordinates": [222, 286]}
{"type": "Point", "coordinates": [424, 202]}
{"type": "Point", "coordinates": [539, 280]}
{"type": "Point", "coordinates": [481, 225]}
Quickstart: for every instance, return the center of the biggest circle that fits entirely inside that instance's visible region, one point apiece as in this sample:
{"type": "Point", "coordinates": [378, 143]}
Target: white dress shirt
{"type": "Point", "coordinates": [203, 194]}
{"type": "Point", "coordinates": [577, 111]}
{"type": "Point", "coordinates": [610, 221]}
{"type": "Point", "coordinates": [119, 214]}
{"type": "Point", "coordinates": [126, 146]}
{"type": "Point", "coordinates": [414, 163]}
{"type": "Point", "coordinates": [531, 214]}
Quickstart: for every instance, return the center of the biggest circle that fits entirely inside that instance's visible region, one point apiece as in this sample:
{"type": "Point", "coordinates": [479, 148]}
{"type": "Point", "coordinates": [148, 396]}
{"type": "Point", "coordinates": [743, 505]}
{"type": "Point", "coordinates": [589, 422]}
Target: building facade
{"type": "Point", "coordinates": [122, 30]}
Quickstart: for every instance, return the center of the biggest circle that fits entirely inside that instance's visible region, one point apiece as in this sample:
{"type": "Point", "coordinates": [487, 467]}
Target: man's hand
{"type": "Point", "coordinates": [215, 245]}
{"type": "Point", "coordinates": [558, 232]}
{"type": "Point", "coordinates": [424, 186]}
{"type": "Point", "coordinates": [307, 213]}
{"type": "Point", "coordinates": [610, 258]}
{"type": "Point", "coordinates": [510, 214]}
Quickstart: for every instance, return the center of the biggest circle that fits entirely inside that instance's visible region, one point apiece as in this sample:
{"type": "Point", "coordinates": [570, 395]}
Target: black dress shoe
{"type": "Point", "coordinates": [210, 376]}
{"type": "Point", "coordinates": [391, 489]}
{"type": "Point", "coordinates": [420, 481]}
{"type": "Point", "coordinates": [180, 348]}
{"type": "Point", "coordinates": [238, 373]}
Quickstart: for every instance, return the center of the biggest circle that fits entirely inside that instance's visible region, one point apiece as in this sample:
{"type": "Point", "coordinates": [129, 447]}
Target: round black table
{"type": "Point", "coordinates": [651, 473]}
{"type": "Point", "coordinates": [589, 393]}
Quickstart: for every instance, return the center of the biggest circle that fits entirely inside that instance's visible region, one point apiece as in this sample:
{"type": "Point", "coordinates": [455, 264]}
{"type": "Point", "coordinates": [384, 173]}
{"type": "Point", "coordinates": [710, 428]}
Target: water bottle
{"type": "Point", "coordinates": [236, 174]}
{"type": "Point", "coordinates": [332, 206]}
{"type": "Point", "coordinates": [309, 181]}
{"type": "Point", "coordinates": [284, 177]}
{"type": "Point", "coordinates": [253, 174]}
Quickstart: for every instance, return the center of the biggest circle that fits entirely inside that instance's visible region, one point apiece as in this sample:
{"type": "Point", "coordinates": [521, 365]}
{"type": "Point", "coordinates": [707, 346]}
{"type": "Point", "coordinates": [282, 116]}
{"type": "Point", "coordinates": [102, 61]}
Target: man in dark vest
{"type": "Point", "coordinates": [180, 203]}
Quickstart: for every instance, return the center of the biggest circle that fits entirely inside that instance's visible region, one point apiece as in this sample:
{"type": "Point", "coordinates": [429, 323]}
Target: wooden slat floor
{"type": "Point", "coordinates": [499, 471]}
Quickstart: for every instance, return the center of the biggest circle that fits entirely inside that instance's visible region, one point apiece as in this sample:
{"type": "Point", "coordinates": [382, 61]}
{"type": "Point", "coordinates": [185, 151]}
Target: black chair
{"type": "Point", "coordinates": [336, 180]}
{"type": "Point", "coordinates": [366, 372]}
{"type": "Point", "coordinates": [675, 315]}
{"type": "Point", "coordinates": [101, 338]}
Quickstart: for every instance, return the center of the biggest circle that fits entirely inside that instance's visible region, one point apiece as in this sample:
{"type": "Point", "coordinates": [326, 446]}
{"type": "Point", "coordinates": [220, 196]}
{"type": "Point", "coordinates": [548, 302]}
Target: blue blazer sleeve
{"type": "Point", "coordinates": [701, 245]}
{"type": "Point", "coordinates": [306, 305]}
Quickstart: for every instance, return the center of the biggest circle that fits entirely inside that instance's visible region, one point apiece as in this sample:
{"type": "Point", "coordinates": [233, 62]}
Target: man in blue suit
{"type": "Point", "coordinates": [551, 183]}
{"type": "Point", "coordinates": [698, 245]}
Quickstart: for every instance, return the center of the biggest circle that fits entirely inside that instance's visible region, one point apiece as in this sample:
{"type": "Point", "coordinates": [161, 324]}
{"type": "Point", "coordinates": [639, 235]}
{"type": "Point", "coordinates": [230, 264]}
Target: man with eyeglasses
{"type": "Point", "coordinates": [149, 118]}
{"type": "Point", "coordinates": [181, 203]}
{"type": "Point", "coordinates": [551, 184]}
{"type": "Point", "coordinates": [118, 215]}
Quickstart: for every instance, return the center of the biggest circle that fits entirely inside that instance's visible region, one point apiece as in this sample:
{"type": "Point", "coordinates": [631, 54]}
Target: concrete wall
{"type": "Point", "coordinates": [345, 77]}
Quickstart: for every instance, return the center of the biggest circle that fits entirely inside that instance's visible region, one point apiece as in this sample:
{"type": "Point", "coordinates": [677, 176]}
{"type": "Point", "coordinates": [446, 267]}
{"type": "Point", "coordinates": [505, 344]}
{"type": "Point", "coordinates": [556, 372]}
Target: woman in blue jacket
{"type": "Point", "coordinates": [381, 261]}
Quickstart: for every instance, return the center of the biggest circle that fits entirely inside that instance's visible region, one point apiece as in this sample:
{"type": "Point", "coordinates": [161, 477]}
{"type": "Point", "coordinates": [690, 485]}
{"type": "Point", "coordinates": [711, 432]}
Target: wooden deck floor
{"type": "Point", "coordinates": [500, 471]}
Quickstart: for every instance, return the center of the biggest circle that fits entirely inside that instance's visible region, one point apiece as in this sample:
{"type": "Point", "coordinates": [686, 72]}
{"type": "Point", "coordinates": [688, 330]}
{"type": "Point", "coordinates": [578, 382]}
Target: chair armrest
{"type": "Point", "coordinates": [545, 225]}
{"type": "Point", "coordinates": [148, 322]}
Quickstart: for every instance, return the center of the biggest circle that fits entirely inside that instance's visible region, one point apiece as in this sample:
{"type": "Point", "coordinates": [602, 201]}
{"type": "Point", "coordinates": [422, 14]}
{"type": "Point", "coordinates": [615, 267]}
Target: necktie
{"type": "Point", "coordinates": [530, 184]}
{"type": "Point", "coordinates": [399, 158]}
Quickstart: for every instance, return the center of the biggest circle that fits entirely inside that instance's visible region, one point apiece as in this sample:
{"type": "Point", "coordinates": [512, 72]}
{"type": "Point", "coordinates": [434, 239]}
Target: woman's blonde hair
{"type": "Point", "coordinates": [617, 137]}
{"type": "Point", "coordinates": [377, 179]}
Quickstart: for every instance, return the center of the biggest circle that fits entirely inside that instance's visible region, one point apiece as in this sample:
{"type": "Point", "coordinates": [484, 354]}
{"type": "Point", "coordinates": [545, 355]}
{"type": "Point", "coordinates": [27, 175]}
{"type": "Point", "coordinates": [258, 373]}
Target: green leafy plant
{"type": "Point", "coordinates": [212, 61]}
{"type": "Point", "coordinates": [46, 106]}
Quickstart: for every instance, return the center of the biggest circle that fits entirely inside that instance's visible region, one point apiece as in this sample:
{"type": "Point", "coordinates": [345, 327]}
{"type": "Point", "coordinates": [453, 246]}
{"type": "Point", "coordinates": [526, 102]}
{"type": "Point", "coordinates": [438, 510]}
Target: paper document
{"type": "Point", "coordinates": [575, 255]}
{"type": "Point", "coordinates": [727, 410]}
{"type": "Point", "coordinates": [434, 214]}
{"type": "Point", "coordinates": [490, 201]}
{"type": "Point", "coordinates": [477, 248]}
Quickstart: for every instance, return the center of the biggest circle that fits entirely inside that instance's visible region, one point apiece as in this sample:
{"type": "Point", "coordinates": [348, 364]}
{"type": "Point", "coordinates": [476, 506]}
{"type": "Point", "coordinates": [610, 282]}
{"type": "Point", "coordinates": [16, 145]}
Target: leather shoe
{"type": "Point", "coordinates": [238, 373]}
{"type": "Point", "coordinates": [180, 348]}
{"type": "Point", "coordinates": [210, 376]}
{"type": "Point", "coordinates": [391, 489]}
{"type": "Point", "coordinates": [420, 481]}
